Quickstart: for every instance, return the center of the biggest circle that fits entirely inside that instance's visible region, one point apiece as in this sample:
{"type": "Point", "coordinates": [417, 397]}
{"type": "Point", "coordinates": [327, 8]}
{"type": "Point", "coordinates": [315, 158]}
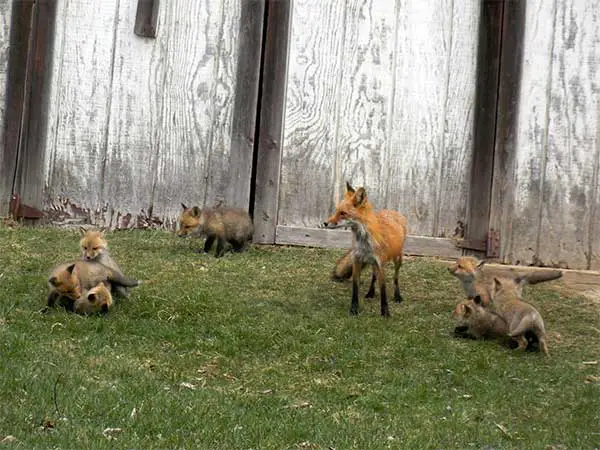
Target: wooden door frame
{"type": "Point", "coordinates": [499, 55]}
{"type": "Point", "coordinates": [27, 88]}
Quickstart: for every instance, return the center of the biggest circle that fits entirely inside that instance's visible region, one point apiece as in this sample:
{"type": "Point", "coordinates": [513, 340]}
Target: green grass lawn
{"type": "Point", "coordinates": [258, 351]}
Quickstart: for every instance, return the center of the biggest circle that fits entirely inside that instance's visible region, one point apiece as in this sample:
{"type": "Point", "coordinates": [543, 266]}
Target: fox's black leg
{"type": "Point", "coordinates": [371, 291]}
{"type": "Point", "coordinates": [220, 247]}
{"type": "Point", "coordinates": [209, 243]}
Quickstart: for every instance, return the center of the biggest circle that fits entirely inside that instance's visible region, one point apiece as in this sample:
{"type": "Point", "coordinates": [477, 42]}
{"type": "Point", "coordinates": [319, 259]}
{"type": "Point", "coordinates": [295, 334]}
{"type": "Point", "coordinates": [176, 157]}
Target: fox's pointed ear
{"type": "Point", "coordinates": [360, 196]}
{"type": "Point", "coordinates": [183, 206]}
{"type": "Point", "coordinates": [468, 310]}
{"type": "Point", "coordinates": [92, 297]}
{"type": "Point", "coordinates": [53, 281]}
{"type": "Point", "coordinates": [479, 265]}
{"type": "Point", "coordinates": [497, 284]}
{"type": "Point", "coordinates": [195, 211]}
{"type": "Point", "coordinates": [70, 268]}
{"type": "Point", "coordinates": [82, 230]}
{"type": "Point", "coordinates": [349, 187]}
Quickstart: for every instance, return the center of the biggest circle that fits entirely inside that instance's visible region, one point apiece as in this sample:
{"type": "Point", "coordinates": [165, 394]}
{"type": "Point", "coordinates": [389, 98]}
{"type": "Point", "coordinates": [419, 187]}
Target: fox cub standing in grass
{"type": "Point", "coordinates": [94, 248]}
{"type": "Point", "coordinates": [97, 300]}
{"type": "Point", "coordinates": [70, 280]}
{"type": "Point", "coordinates": [225, 225]}
{"type": "Point", "coordinates": [476, 282]}
{"type": "Point", "coordinates": [378, 238]}
{"type": "Point", "coordinates": [521, 317]}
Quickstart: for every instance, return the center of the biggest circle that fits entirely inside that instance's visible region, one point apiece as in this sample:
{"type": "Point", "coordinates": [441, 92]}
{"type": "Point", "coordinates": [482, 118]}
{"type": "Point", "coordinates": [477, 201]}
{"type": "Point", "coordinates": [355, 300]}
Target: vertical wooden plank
{"type": "Point", "coordinates": [16, 30]}
{"type": "Point", "coordinates": [82, 74]}
{"type": "Point", "coordinates": [365, 98]}
{"type": "Point", "coordinates": [5, 30]}
{"type": "Point", "coordinates": [507, 123]}
{"type": "Point", "coordinates": [313, 92]}
{"type": "Point", "coordinates": [271, 121]}
{"type": "Point", "coordinates": [423, 42]}
{"type": "Point", "coordinates": [29, 172]}
{"type": "Point", "coordinates": [530, 135]}
{"type": "Point", "coordinates": [488, 66]}
{"type": "Point", "coordinates": [244, 122]}
{"type": "Point", "coordinates": [568, 193]}
{"type": "Point", "coordinates": [459, 114]}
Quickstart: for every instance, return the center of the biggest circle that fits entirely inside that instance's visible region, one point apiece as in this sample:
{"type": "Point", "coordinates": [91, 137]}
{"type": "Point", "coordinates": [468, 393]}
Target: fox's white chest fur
{"type": "Point", "coordinates": [364, 250]}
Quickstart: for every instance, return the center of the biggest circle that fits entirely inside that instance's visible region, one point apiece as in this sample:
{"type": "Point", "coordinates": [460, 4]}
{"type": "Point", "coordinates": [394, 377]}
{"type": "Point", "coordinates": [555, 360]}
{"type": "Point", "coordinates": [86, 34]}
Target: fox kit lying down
{"type": "Point", "coordinates": [225, 225]}
{"type": "Point", "coordinates": [94, 248]}
{"type": "Point", "coordinates": [478, 322]}
{"type": "Point", "coordinates": [69, 281]}
{"type": "Point", "coordinates": [521, 317]}
{"type": "Point", "coordinates": [476, 281]}
{"type": "Point", "coordinates": [97, 300]}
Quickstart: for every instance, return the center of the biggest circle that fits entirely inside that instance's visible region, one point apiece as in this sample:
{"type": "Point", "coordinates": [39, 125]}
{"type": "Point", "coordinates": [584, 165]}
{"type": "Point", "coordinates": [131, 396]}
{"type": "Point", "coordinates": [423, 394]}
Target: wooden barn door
{"type": "Point", "coordinates": [385, 95]}
{"type": "Point", "coordinates": [27, 77]}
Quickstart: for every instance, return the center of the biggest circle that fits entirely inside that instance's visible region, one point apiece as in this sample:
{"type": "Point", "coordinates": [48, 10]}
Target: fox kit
{"type": "Point", "coordinates": [476, 282]}
{"type": "Point", "coordinates": [479, 322]}
{"type": "Point", "coordinates": [378, 238]}
{"type": "Point", "coordinates": [521, 317]}
{"type": "Point", "coordinates": [225, 225]}
{"type": "Point", "coordinates": [94, 248]}
{"type": "Point", "coordinates": [97, 300]}
{"type": "Point", "coordinates": [68, 281]}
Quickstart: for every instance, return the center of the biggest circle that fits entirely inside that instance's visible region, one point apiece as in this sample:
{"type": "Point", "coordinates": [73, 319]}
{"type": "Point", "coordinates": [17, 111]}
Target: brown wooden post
{"type": "Point", "coordinates": [486, 101]}
{"type": "Point", "coordinates": [509, 84]}
{"type": "Point", "coordinates": [30, 57]}
{"type": "Point", "coordinates": [268, 154]}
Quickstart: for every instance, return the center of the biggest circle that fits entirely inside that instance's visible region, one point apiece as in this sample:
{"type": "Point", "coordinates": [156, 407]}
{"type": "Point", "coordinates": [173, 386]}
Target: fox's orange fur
{"type": "Point", "coordinates": [225, 225]}
{"type": "Point", "coordinates": [95, 248]}
{"type": "Point", "coordinates": [97, 300]}
{"type": "Point", "coordinates": [521, 317]}
{"type": "Point", "coordinates": [378, 238]}
{"type": "Point", "coordinates": [476, 282]}
{"type": "Point", "coordinates": [68, 281]}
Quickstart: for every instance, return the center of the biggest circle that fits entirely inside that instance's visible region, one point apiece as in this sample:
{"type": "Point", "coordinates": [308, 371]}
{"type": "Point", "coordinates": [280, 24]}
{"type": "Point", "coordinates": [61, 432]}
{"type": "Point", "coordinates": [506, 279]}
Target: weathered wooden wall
{"type": "Point", "coordinates": [139, 125]}
{"type": "Point", "coordinates": [380, 94]}
{"type": "Point", "coordinates": [550, 213]}
{"type": "Point", "coordinates": [5, 18]}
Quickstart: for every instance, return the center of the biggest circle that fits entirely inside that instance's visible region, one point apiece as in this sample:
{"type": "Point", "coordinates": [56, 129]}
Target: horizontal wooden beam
{"type": "Point", "coordinates": [320, 237]}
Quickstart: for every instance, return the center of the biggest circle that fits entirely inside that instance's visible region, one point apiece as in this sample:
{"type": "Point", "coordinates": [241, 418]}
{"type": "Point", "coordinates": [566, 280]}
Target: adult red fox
{"type": "Point", "coordinates": [378, 238]}
{"type": "Point", "coordinates": [225, 225]}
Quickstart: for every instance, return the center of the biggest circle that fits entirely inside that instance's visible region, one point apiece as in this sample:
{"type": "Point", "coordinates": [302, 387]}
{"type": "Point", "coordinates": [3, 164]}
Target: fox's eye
{"type": "Point", "coordinates": [95, 248]}
{"type": "Point", "coordinates": [342, 214]}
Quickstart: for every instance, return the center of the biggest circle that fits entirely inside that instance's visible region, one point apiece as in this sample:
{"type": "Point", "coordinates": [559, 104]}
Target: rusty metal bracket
{"type": "Point", "coordinates": [22, 211]}
{"type": "Point", "coordinates": [491, 246]}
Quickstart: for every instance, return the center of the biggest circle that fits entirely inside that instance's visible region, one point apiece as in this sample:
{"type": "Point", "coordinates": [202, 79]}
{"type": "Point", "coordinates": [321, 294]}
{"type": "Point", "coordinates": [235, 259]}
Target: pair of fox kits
{"type": "Point", "coordinates": [224, 225]}
{"type": "Point", "coordinates": [495, 309]}
{"type": "Point", "coordinates": [85, 286]}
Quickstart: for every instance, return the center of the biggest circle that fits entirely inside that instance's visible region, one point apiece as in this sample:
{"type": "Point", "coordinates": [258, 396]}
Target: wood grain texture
{"type": "Point", "coordinates": [571, 155]}
{"type": "Point", "coordinates": [380, 94]}
{"type": "Point", "coordinates": [5, 19]}
{"type": "Point", "coordinates": [80, 102]}
{"type": "Point", "coordinates": [270, 131]}
{"type": "Point", "coordinates": [319, 237]}
{"type": "Point", "coordinates": [141, 125]}
{"type": "Point", "coordinates": [314, 67]}
{"type": "Point", "coordinates": [557, 161]}
{"type": "Point", "coordinates": [5, 165]}
{"type": "Point", "coordinates": [530, 135]}
{"type": "Point", "coordinates": [459, 113]}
